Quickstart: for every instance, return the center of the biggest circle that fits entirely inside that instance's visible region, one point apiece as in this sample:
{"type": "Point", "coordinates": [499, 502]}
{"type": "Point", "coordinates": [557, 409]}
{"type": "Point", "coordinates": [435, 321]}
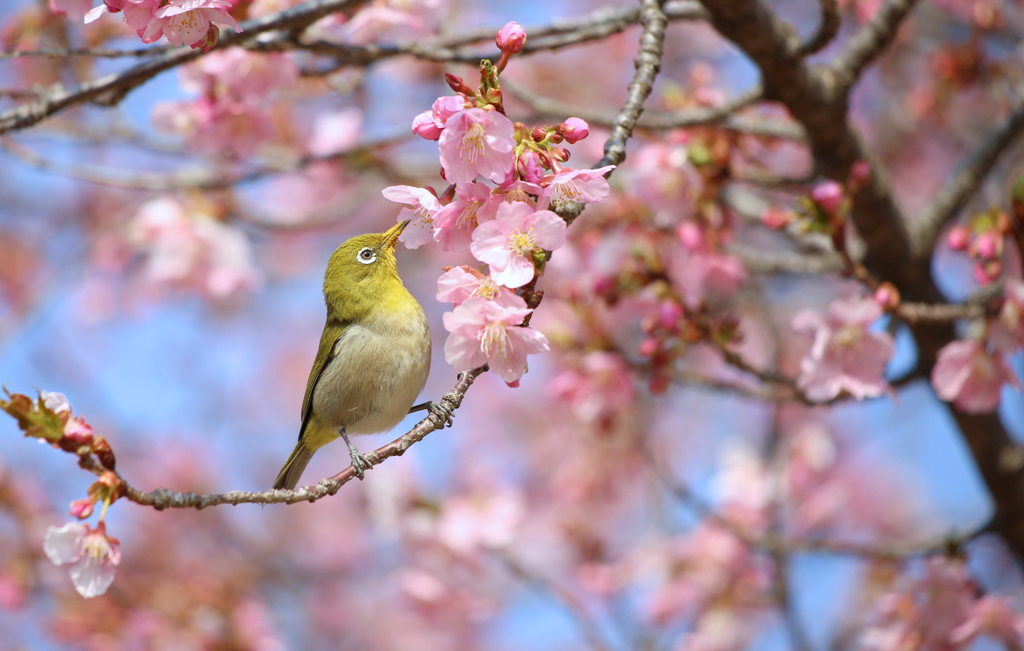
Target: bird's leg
{"type": "Point", "coordinates": [438, 408]}
{"type": "Point", "coordinates": [359, 462]}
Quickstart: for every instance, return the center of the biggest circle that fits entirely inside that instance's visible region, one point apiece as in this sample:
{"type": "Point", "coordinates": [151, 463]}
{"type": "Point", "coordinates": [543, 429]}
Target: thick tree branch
{"type": "Point", "coordinates": [868, 43]}
{"type": "Point", "coordinates": [827, 29]}
{"type": "Point", "coordinates": [964, 183]}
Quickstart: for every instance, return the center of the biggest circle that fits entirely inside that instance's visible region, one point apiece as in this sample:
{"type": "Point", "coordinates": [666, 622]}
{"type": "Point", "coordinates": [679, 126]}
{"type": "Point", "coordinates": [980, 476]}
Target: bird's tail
{"type": "Point", "coordinates": [289, 476]}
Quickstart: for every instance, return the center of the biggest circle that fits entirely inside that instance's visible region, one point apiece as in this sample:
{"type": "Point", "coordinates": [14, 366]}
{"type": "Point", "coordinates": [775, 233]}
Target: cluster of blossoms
{"type": "Point", "coordinates": [941, 609]}
{"type": "Point", "coordinates": [182, 22]}
{"type": "Point", "coordinates": [92, 554]}
{"type": "Point", "coordinates": [509, 226]}
{"type": "Point", "coordinates": [188, 246]}
{"type": "Point", "coordinates": [984, 237]}
{"type": "Point", "coordinates": [231, 113]}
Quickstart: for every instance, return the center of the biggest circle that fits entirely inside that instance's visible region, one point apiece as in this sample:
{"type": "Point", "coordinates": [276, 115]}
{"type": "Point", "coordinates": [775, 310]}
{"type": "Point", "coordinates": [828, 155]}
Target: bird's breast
{"type": "Point", "coordinates": [378, 369]}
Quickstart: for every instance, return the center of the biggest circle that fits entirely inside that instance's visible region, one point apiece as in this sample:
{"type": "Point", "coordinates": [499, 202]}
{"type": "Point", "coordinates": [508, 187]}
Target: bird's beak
{"type": "Point", "coordinates": [391, 236]}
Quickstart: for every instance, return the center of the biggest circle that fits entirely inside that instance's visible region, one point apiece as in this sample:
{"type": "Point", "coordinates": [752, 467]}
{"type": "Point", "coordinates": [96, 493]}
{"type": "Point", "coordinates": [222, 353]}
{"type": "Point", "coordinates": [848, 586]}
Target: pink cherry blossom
{"type": "Point", "coordinates": [480, 521]}
{"type": "Point", "coordinates": [845, 355]}
{"type": "Point", "coordinates": [455, 223]}
{"type": "Point", "coordinates": [967, 374]}
{"type": "Point", "coordinates": [424, 207]}
{"type": "Point", "coordinates": [993, 617]}
{"type": "Point", "coordinates": [704, 274]}
{"type": "Point", "coordinates": [424, 127]}
{"type": "Point", "coordinates": [599, 388]}
{"type": "Point", "coordinates": [828, 195]}
{"type": "Point", "coordinates": [186, 22]}
{"type": "Point", "coordinates": [1007, 331]}
{"type": "Point", "coordinates": [475, 143]}
{"type": "Point", "coordinates": [429, 124]}
{"type": "Point", "coordinates": [485, 332]}
{"type": "Point", "coordinates": [529, 167]}
{"type": "Point", "coordinates": [93, 555]}
{"type": "Point", "coordinates": [107, 7]}
{"type": "Point", "coordinates": [958, 238]}
{"type": "Point", "coordinates": [582, 186]}
{"type": "Point", "coordinates": [507, 243]}
{"type": "Point", "coordinates": [459, 284]}
{"type": "Point", "coordinates": [74, 9]}
{"type": "Point", "coordinates": [334, 133]}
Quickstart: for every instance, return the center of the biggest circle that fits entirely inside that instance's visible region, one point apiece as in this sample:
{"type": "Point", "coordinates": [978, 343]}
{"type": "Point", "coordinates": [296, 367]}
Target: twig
{"type": "Point", "coordinates": [868, 43]}
{"type": "Point", "coordinates": [572, 604]}
{"type": "Point", "coordinates": [958, 189]}
{"type": "Point", "coordinates": [162, 498]}
{"type": "Point", "coordinates": [97, 53]}
{"type": "Point", "coordinates": [648, 64]}
{"type": "Point", "coordinates": [827, 29]}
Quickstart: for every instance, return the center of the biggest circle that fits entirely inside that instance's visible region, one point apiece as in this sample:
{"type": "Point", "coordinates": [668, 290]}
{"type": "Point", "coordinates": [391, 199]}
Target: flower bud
{"type": "Point", "coordinates": [458, 84]}
{"type": "Point", "coordinates": [887, 296]}
{"type": "Point", "coordinates": [209, 41]}
{"type": "Point", "coordinates": [691, 236]}
{"type": "Point", "coordinates": [989, 245]}
{"type": "Point", "coordinates": [424, 127]}
{"type": "Point", "coordinates": [559, 154]}
{"type": "Point", "coordinates": [539, 133]}
{"type": "Point", "coordinates": [958, 238]}
{"type": "Point", "coordinates": [82, 508]}
{"type": "Point", "coordinates": [511, 38]}
{"type": "Point", "coordinates": [986, 272]}
{"type": "Point", "coordinates": [649, 346]}
{"type": "Point", "coordinates": [669, 313]}
{"type": "Point", "coordinates": [574, 130]}
{"type": "Point", "coordinates": [860, 174]}
{"type": "Point", "coordinates": [529, 167]}
{"type": "Point", "coordinates": [828, 196]}
{"type": "Point", "coordinates": [777, 218]}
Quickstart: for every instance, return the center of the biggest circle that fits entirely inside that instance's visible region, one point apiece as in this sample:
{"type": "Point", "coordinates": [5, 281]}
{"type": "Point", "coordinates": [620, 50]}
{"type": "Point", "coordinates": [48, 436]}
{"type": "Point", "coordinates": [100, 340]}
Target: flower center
{"type": "Point", "coordinates": [562, 193]}
{"type": "Point", "coordinates": [467, 220]}
{"type": "Point", "coordinates": [95, 547]}
{"type": "Point", "coordinates": [518, 194]}
{"type": "Point", "coordinates": [847, 337]}
{"type": "Point", "coordinates": [493, 339]}
{"type": "Point", "coordinates": [423, 216]}
{"type": "Point", "coordinates": [472, 145]}
{"type": "Point", "coordinates": [983, 367]}
{"type": "Point", "coordinates": [522, 243]}
{"type": "Point", "coordinates": [486, 288]}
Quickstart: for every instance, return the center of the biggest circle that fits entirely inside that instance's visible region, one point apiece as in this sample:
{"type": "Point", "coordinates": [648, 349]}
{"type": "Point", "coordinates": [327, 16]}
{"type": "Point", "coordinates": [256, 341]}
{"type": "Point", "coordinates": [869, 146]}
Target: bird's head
{"type": "Point", "coordinates": [363, 266]}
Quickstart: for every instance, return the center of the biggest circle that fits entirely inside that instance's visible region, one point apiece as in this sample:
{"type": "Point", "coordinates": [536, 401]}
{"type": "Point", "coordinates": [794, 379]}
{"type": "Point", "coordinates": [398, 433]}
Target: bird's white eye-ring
{"type": "Point", "coordinates": [366, 255]}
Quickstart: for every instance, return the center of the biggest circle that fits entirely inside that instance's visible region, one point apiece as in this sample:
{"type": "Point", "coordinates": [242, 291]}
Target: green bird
{"type": "Point", "coordinates": [374, 353]}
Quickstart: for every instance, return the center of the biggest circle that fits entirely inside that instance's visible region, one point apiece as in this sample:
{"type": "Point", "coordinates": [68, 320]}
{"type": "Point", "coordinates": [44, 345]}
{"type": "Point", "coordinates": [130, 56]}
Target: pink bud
{"type": "Point", "coordinates": [513, 385]}
{"type": "Point", "coordinates": [669, 313]}
{"type": "Point", "coordinates": [887, 296]}
{"type": "Point", "coordinates": [529, 167]}
{"type": "Point", "coordinates": [776, 217]}
{"type": "Point", "coordinates": [424, 127]}
{"type": "Point", "coordinates": [958, 238]}
{"type": "Point", "coordinates": [691, 236]}
{"type": "Point", "coordinates": [988, 245]}
{"type": "Point", "coordinates": [575, 129]}
{"type": "Point", "coordinates": [209, 41]}
{"type": "Point", "coordinates": [828, 195]}
{"type": "Point", "coordinates": [539, 133]}
{"type": "Point", "coordinates": [511, 38]}
{"type": "Point", "coordinates": [78, 431]}
{"type": "Point", "coordinates": [560, 154]}
{"type": "Point", "coordinates": [860, 173]}
{"type": "Point", "coordinates": [458, 84]}
{"type": "Point", "coordinates": [82, 509]}
{"type": "Point", "coordinates": [649, 346]}
{"type": "Point", "coordinates": [986, 272]}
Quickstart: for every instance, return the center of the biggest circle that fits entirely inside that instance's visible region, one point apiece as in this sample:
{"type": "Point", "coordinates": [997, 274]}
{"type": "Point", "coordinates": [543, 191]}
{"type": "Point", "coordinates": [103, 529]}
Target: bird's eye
{"type": "Point", "coordinates": [366, 255]}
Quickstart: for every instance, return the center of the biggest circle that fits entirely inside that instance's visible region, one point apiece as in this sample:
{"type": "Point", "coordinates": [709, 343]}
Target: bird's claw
{"type": "Point", "coordinates": [360, 463]}
{"type": "Point", "coordinates": [444, 411]}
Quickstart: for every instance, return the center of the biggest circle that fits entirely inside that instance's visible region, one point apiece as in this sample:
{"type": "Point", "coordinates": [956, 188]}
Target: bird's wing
{"type": "Point", "coordinates": [333, 332]}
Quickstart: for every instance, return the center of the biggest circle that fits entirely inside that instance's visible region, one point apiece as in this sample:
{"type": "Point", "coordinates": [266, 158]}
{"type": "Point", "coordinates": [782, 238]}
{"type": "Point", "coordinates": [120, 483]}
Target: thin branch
{"type": "Point", "coordinates": [572, 604]}
{"type": "Point", "coordinates": [868, 43]}
{"type": "Point", "coordinates": [648, 64]}
{"type": "Point", "coordinates": [162, 498]}
{"type": "Point", "coordinates": [827, 29]}
{"type": "Point", "coordinates": [98, 53]}
{"type": "Point", "coordinates": [959, 188]}
{"type": "Point", "coordinates": [767, 262]}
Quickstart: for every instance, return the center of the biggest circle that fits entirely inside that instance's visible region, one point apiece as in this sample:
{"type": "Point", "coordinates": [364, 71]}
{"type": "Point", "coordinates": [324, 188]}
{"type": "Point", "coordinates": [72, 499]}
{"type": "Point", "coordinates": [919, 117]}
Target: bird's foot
{"type": "Point", "coordinates": [444, 411]}
{"type": "Point", "coordinates": [360, 463]}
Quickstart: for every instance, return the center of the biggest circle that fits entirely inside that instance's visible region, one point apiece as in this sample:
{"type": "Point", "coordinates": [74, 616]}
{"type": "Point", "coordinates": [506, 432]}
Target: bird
{"type": "Point", "coordinates": [374, 354]}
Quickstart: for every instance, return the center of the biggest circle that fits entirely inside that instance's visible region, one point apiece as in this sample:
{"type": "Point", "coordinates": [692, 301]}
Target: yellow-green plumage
{"type": "Point", "coordinates": [374, 353]}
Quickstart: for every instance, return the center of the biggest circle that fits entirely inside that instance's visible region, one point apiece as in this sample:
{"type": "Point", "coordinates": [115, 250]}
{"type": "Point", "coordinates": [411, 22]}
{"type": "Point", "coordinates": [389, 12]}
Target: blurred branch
{"type": "Point", "coordinates": [868, 43]}
{"type": "Point", "coordinates": [827, 29]}
{"type": "Point", "coordinates": [772, 543]}
{"type": "Point", "coordinates": [648, 64]}
{"type": "Point", "coordinates": [162, 498]}
{"type": "Point", "coordinates": [111, 89]}
{"type": "Point", "coordinates": [959, 188]}
{"type": "Point", "coordinates": [572, 604]}
{"type": "Point", "coordinates": [98, 53]}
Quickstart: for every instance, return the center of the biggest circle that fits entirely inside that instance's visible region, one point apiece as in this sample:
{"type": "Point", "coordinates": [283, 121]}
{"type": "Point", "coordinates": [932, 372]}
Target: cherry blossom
{"type": "Point", "coordinates": [507, 244]}
{"type": "Point", "coordinates": [480, 521]}
{"type": "Point", "coordinates": [993, 617]}
{"type": "Point", "coordinates": [429, 124]}
{"type": "Point", "coordinates": [455, 223]}
{"type": "Point", "coordinates": [424, 207]}
{"type": "Point", "coordinates": [511, 38]}
{"type": "Point", "coordinates": [569, 185]}
{"type": "Point", "coordinates": [93, 555]}
{"type": "Point", "coordinates": [574, 130]}
{"type": "Point", "coordinates": [73, 9]}
{"type": "Point", "coordinates": [845, 355]}
{"type": "Point", "coordinates": [475, 143]}
{"type": "Point", "coordinates": [599, 388]}
{"type": "Point", "coordinates": [459, 284]}
{"type": "Point", "coordinates": [182, 22]}
{"type": "Point", "coordinates": [334, 133]}
{"type": "Point", "coordinates": [485, 332]}
{"type": "Point", "coordinates": [971, 376]}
